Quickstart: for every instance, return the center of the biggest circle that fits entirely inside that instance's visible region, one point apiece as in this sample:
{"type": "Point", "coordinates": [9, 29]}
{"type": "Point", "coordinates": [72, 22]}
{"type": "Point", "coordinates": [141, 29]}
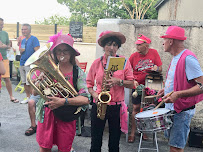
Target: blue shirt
{"type": "Point", "coordinates": [30, 44]}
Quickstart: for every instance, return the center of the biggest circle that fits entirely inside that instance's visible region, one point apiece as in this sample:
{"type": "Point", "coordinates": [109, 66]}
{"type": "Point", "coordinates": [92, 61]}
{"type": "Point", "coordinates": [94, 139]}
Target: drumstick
{"type": "Point", "coordinates": [162, 101]}
{"type": "Point", "coordinates": [151, 96]}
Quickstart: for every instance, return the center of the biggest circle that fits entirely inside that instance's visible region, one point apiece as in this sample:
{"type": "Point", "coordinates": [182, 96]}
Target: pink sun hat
{"type": "Point", "coordinates": [107, 34]}
{"type": "Point", "coordinates": [142, 39]}
{"type": "Point", "coordinates": [175, 32]}
{"type": "Point", "coordinates": [60, 38]}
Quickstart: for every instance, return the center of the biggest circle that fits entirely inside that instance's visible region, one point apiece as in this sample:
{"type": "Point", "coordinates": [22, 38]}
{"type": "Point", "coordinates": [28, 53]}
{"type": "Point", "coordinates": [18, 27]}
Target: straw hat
{"type": "Point", "coordinates": [107, 34]}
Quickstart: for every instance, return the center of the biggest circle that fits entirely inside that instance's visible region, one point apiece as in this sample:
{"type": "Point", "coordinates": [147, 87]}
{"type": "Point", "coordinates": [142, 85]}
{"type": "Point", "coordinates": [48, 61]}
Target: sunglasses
{"type": "Point", "coordinates": [65, 52]}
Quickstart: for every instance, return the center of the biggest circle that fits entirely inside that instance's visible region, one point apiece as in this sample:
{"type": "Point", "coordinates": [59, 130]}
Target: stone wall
{"type": "Point", "coordinates": [154, 29]}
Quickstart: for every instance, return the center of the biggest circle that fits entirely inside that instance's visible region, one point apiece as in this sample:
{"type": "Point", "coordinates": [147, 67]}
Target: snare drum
{"type": "Point", "coordinates": [154, 120]}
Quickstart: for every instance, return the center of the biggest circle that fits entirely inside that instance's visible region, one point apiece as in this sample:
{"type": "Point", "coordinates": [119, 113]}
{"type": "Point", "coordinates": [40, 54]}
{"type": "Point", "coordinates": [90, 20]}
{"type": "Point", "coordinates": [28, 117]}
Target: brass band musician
{"type": "Point", "coordinates": [114, 82]}
{"type": "Point", "coordinates": [56, 127]}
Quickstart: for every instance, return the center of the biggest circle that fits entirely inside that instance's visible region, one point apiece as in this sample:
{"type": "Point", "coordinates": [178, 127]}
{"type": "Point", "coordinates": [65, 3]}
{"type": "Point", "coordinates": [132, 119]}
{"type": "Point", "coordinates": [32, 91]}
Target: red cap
{"type": "Point", "coordinates": [142, 39]}
{"type": "Point", "coordinates": [175, 32]}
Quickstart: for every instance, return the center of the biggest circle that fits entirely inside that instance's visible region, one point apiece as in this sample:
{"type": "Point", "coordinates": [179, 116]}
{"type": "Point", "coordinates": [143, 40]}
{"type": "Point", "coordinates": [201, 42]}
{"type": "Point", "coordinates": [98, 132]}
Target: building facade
{"type": "Point", "coordinates": [180, 10]}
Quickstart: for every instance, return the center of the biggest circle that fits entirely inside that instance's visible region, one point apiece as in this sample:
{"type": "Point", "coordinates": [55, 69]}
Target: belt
{"type": "Point", "coordinates": [114, 103]}
{"type": "Point", "coordinates": [186, 109]}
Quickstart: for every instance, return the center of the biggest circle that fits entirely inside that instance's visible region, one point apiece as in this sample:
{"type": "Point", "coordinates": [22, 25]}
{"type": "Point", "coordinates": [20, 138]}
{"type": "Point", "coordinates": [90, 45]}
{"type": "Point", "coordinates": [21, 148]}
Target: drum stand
{"type": "Point", "coordinates": [154, 140]}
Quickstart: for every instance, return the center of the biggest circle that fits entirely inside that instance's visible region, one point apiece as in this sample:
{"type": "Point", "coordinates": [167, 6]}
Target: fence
{"type": "Point", "coordinates": [42, 32]}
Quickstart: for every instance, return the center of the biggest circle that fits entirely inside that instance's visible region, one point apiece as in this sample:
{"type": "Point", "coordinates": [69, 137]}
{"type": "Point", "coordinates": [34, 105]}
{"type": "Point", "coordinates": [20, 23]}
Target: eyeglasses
{"type": "Point", "coordinates": [65, 52]}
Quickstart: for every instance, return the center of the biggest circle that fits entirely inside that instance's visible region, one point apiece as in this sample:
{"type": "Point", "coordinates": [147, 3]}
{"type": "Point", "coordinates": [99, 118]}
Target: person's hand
{"type": "Point", "coordinates": [136, 84]}
{"type": "Point", "coordinates": [155, 68]}
{"type": "Point", "coordinates": [171, 98]}
{"type": "Point", "coordinates": [95, 96]}
{"type": "Point", "coordinates": [112, 82]}
{"type": "Point", "coordinates": [160, 93]}
{"type": "Point", "coordinates": [4, 46]}
{"type": "Point", "coordinates": [54, 102]}
{"type": "Point", "coordinates": [21, 50]}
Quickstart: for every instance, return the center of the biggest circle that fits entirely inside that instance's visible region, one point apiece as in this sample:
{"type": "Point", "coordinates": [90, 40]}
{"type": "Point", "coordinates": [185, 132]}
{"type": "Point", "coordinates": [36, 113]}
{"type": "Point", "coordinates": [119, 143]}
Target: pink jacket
{"type": "Point", "coordinates": [181, 83]}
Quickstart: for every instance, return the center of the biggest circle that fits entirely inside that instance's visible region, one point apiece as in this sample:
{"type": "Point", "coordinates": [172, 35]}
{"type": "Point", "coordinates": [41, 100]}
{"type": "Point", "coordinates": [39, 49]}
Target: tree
{"type": "Point", "coordinates": [93, 10]}
{"type": "Point", "coordinates": [56, 19]}
{"type": "Point", "coordinates": [90, 11]}
{"type": "Point", "coordinates": [137, 9]}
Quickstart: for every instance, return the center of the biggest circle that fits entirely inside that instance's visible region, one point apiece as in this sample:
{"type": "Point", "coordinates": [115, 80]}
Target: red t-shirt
{"type": "Point", "coordinates": [140, 63]}
{"type": "Point", "coordinates": [1, 58]}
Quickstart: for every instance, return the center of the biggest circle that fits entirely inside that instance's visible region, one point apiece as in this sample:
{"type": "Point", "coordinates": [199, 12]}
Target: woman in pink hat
{"type": "Point", "coordinates": [116, 112]}
{"type": "Point", "coordinates": [57, 126]}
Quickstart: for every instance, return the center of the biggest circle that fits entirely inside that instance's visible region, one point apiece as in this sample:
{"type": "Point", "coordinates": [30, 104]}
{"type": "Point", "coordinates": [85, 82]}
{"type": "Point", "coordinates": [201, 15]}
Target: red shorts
{"type": "Point", "coordinates": [55, 132]}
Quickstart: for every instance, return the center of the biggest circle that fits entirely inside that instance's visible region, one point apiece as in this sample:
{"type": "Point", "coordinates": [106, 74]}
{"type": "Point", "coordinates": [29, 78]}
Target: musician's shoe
{"type": "Point", "coordinates": [30, 131]}
{"type": "Point", "coordinates": [24, 101]}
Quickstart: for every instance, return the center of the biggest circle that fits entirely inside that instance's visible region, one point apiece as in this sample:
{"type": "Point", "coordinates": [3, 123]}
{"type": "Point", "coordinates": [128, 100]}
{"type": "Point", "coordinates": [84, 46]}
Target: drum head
{"type": "Point", "coordinates": [152, 113]}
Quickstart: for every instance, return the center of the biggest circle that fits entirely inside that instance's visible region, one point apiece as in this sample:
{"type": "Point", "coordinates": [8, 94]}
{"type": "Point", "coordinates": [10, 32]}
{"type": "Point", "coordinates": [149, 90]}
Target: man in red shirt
{"type": "Point", "coordinates": [145, 59]}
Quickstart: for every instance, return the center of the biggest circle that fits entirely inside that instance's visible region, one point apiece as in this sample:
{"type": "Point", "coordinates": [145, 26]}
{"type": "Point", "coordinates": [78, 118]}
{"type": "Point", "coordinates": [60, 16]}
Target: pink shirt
{"type": "Point", "coordinates": [95, 76]}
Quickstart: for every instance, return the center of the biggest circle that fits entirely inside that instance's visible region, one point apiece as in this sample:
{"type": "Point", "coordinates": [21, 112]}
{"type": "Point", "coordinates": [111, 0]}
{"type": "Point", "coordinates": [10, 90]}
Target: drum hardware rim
{"type": "Point", "coordinates": [153, 126]}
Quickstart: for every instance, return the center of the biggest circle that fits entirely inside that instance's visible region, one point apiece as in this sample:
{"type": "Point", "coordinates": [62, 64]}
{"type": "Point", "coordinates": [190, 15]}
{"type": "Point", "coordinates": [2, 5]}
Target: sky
{"type": "Point", "coordinates": [29, 11]}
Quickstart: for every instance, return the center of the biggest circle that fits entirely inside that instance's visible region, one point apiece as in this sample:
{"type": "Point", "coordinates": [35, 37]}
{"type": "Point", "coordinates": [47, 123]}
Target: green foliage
{"type": "Point", "coordinates": [152, 12]}
{"type": "Point", "coordinates": [56, 19]}
{"type": "Point", "coordinates": [93, 10]}
{"type": "Point", "coordinates": [90, 11]}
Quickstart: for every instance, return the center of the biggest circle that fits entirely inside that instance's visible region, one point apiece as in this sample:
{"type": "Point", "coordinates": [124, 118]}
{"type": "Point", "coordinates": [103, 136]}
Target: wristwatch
{"type": "Point", "coordinates": [200, 85]}
{"type": "Point", "coordinates": [121, 83]}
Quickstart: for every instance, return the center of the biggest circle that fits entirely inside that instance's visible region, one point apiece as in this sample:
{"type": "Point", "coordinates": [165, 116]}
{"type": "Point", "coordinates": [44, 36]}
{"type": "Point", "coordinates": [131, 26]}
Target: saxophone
{"type": "Point", "coordinates": [104, 97]}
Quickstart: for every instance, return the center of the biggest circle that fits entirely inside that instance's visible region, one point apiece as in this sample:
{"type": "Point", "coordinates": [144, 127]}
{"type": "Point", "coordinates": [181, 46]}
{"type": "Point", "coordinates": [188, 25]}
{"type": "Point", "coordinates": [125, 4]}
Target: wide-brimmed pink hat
{"type": "Point", "coordinates": [60, 38]}
{"type": "Point", "coordinates": [107, 34]}
{"type": "Point", "coordinates": [175, 32]}
{"type": "Point", "coordinates": [142, 39]}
